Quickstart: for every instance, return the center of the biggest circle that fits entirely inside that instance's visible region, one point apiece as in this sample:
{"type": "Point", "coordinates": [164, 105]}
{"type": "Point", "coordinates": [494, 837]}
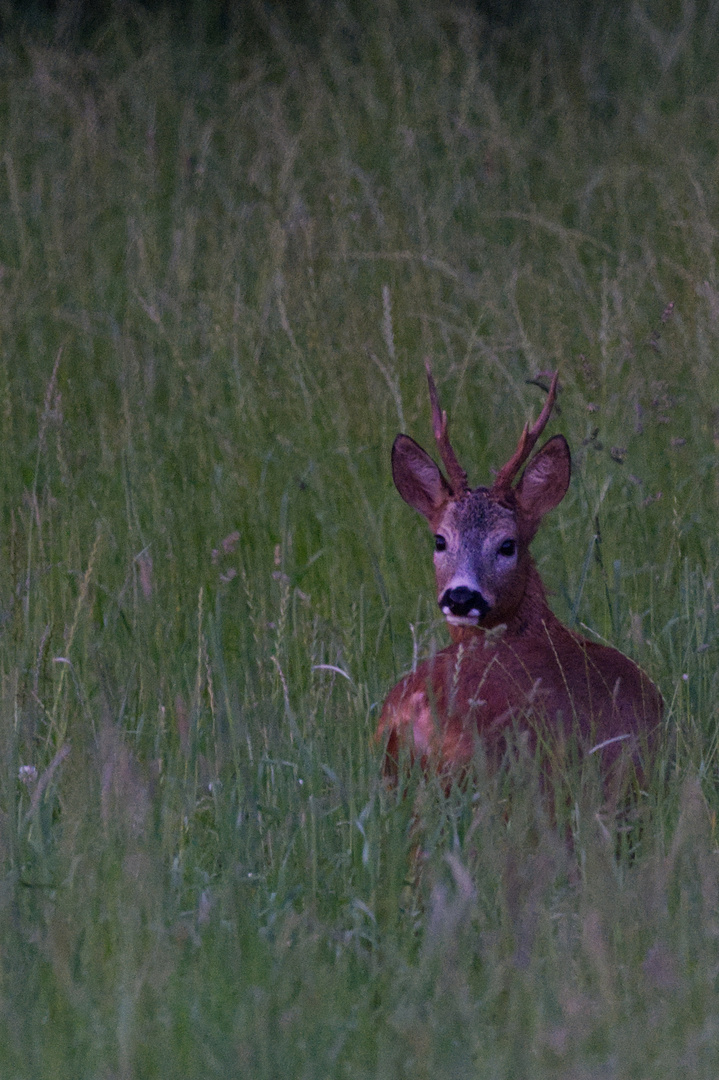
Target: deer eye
{"type": "Point", "coordinates": [507, 548]}
{"type": "Point", "coordinates": [439, 543]}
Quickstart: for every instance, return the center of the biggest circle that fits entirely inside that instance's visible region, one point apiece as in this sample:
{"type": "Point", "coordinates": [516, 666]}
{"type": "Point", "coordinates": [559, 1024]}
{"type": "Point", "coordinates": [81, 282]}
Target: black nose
{"type": "Point", "coordinates": [463, 601]}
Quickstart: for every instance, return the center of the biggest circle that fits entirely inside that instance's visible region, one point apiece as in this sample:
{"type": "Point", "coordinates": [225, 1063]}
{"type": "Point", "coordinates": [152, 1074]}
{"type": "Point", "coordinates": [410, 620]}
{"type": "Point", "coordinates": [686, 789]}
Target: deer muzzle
{"type": "Point", "coordinates": [463, 605]}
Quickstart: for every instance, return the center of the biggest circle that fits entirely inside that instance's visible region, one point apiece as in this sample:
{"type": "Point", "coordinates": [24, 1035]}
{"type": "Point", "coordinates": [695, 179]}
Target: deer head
{"type": "Point", "coordinates": [482, 535]}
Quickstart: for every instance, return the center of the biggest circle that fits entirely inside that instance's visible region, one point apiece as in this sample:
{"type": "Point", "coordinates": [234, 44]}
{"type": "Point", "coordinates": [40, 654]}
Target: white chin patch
{"type": "Point", "coordinates": [462, 620]}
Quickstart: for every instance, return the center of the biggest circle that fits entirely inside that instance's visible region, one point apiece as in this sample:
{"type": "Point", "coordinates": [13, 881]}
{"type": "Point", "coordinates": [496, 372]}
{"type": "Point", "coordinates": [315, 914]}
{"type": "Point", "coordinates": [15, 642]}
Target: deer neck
{"type": "Point", "coordinates": [532, 614]}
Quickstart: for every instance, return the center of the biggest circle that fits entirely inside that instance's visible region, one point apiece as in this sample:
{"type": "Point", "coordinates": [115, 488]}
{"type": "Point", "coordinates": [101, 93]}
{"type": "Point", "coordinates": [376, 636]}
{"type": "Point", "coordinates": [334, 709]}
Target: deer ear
{"type": "Point", "coordinates": [545, 481]}
{"type": "Point", "coordinates": [417, 478]}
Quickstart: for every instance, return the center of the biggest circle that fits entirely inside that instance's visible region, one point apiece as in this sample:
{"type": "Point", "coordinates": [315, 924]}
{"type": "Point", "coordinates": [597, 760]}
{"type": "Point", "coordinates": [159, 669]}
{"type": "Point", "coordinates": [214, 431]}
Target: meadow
{"type": "Point", "coordinates": [228, 240]}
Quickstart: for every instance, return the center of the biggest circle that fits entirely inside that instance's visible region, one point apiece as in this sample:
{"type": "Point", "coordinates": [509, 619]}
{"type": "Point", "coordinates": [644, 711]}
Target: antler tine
{"type": "Point", "coordinates": [528, 438]}
{"type": "Point", "coordinates": [457, 475]}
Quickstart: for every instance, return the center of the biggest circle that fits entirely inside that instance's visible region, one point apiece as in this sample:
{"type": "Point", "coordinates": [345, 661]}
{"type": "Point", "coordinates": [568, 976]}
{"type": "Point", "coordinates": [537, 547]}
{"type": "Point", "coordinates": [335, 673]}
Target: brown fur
{"type": "Point", "coordinates": [536, 672]}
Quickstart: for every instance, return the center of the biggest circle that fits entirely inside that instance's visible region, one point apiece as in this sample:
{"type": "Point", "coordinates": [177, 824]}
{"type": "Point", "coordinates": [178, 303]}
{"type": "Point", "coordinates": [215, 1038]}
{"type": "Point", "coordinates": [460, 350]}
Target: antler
{"type": "Point", "coordinates": [507, 473]}
{"type": "Point", "coordinates": [457, 475]}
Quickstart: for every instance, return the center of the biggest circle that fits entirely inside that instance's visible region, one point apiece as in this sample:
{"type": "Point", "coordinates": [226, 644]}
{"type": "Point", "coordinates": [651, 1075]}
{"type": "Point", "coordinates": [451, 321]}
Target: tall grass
{"type": "Point", "coordinates": [225, 248]}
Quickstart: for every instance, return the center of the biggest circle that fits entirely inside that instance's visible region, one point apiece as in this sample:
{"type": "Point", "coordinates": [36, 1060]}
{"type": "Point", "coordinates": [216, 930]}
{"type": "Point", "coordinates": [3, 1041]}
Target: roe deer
{"type": "Point", "coordinates": [511, 659]}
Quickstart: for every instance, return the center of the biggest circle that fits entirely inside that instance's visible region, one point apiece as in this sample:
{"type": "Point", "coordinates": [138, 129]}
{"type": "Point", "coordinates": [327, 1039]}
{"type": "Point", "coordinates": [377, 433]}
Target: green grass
{"type": "Point", "coordinates": [227, 244]}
